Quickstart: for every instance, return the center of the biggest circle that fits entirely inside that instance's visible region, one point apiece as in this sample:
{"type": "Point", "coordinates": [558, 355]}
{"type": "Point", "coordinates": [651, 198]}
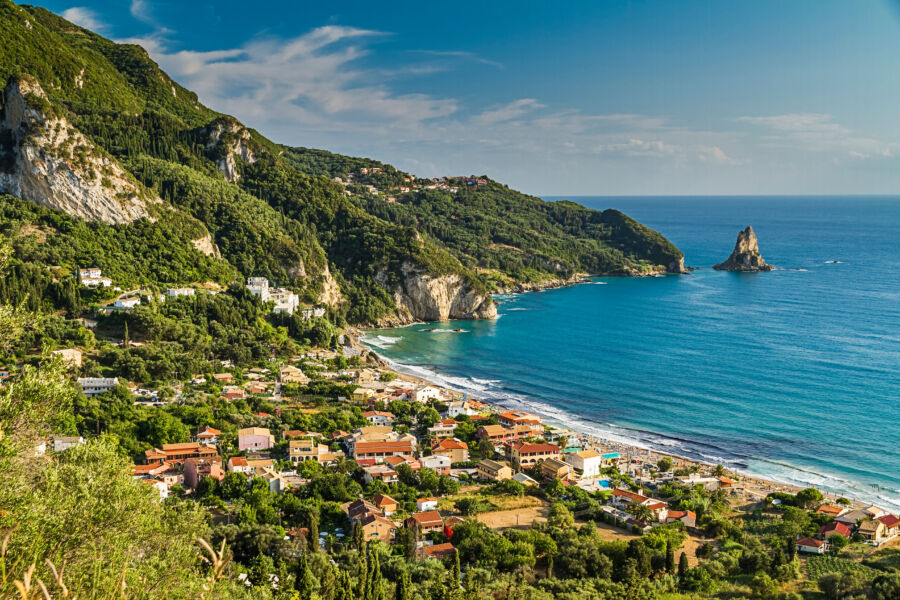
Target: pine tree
{"type": "Point", "coordinates": [682, 566]}
{"type": "Point", "coordinates": [670, 559]}
{"type": "Point", "coordinates": [304, 581]}
{"type": "Point", "coordinates": [455, 569]}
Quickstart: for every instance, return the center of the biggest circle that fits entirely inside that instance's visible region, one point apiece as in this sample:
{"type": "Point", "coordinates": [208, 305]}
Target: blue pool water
{"type": "Point", "coordinates": [793, 375]}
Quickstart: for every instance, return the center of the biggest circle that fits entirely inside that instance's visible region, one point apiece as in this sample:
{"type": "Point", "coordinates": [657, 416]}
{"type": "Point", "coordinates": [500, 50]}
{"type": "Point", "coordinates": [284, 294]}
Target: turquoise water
{"type": "Point", "coordinates": [792, 375]}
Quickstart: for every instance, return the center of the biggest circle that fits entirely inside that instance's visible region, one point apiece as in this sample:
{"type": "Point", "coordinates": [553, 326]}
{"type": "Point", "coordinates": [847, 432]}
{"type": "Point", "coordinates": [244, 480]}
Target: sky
{"type": "Point", "coordinates": [572, 98]}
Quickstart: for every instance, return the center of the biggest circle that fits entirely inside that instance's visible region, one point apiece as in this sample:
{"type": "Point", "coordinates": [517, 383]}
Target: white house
{"type": "Point", "coordinates": [259, 286]}
{"type": "Point", "coordinates": [175, 292]}
{"type": "Point", "coordinates": [588, 461]}
{"type": "Point", "coordinates": [426, 393]}
{"type": "Point", "coordinates": [438, 463]}
{"type": "Point", "coordinates": [460, 407]}
{"type": "Point", "coordinates": [811, 546]}
{"type": "Point", "coordinates": [94, 386]}
{"type": "Point", "coordinates": [423, 504]}
{"type": "Point", "coordinates": [64, 443]}
{"type": "Point", "coordinates": [286, 301]}
{"type": "Point", "coordinates": [93, 277]}
{"type": "Point", "coordinates": [126, 303]}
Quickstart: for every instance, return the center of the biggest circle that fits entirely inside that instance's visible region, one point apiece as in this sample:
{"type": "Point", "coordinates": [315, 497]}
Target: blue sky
{"type": "Point", "coordinates": [589, 98]}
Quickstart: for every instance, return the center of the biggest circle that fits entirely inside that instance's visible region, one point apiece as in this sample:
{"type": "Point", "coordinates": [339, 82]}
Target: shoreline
{"type": "Point", "coordinates": [755, 486]}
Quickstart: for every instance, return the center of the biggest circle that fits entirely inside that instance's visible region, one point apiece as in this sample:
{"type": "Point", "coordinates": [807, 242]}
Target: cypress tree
{"type": "Point", "coordinates": [313, 533]}
{"type": "Point", "coordinates": [670, 559]}
{"type": "Point", "coordinates": [304, 582]}
{"type": "Point", "coordinates": [682, 566]}
{"type": "Point", "coordinates": [401, 591]}
{"type": "Point", "coordinates": [549, 565]}
{"type": "Point", "coordinates": [791, 549]}
{"type": "Point", "coordinates": [362, 569]}
{"type": "Point", "coordinates": [455, 569]}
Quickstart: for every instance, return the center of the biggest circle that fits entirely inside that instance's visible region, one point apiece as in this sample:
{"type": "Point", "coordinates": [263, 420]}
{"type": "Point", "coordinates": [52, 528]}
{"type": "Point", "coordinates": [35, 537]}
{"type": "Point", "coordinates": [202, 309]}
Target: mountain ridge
{"type": "Point", "coordinates": [368, 250]}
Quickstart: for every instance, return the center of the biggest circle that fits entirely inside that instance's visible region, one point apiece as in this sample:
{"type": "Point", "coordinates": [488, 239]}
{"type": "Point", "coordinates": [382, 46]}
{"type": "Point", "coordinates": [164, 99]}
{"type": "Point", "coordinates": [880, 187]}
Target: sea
{"type": "Point", "coordinates": [791, 375]}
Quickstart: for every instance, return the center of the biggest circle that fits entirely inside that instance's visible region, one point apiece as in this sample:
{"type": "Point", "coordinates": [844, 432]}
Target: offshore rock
{"type": "Point", "coordinates": [746, 256]}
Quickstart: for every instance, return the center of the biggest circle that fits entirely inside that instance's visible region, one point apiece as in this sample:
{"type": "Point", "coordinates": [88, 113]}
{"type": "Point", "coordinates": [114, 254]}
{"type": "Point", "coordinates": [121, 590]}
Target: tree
{"type": "Point", "coordinates": [304, 583]}
{"type": "Point", "coordinates": [886, 587]}
{"type": "Point", "coordinates": [233, 486]}
{"type": "Point", "coordinates": [313, 532]}
{"type": "Point", "coordinates": [670, 559]}
{"type": "Point", "coordinates": [665, 464]}
{"type": "Point", "coordinates": [843, 501]}
{"type": "Point", "coordinates": [467, 506]}
{"type": "Point", "coordinates": [808, 498]}
{"type": "Point", "coordinates": [641, 512]}
{"type": "Point", "coordinates": [838, 542]}
{"type": "Point", "coordinates": [791, 549]}
{"type": "Point", "coordinates": [682, 566]}
{"type": "Point", "coordinates": [455, 570]}
{"type": "Point", "coordinates": [401, 591]}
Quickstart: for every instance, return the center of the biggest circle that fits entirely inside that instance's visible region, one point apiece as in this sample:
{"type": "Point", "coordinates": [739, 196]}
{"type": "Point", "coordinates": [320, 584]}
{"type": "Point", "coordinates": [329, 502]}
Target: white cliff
{"type": "Point", "coordinates": [231, 142]}
{"type": "Point", "coordinates": [46, 160]}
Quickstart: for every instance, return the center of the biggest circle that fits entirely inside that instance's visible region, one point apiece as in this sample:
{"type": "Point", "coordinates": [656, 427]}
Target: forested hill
{"type": "Point", "coordinates": [167, 191]}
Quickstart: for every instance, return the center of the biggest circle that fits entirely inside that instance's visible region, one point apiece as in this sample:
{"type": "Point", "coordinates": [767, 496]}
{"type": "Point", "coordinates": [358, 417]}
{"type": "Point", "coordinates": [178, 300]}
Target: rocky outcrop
{"type": "Point", "coordinates": [421, 296]}
{"type": "Point", "coordinates": [46, 160]}
{"type": "Point", "coordinates": [746, 256]}
{"type": "Point", "coordinates": [229, 141]}
{"type": "Point", "coordinates": [206, 245]}
{"type": "Point", "coordinates": [331, 293]}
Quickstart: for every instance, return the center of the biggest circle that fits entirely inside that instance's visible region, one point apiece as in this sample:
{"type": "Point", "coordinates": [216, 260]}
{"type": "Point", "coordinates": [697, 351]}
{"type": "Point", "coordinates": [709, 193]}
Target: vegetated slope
{"type": "Point", "coordinates": [256, 208]}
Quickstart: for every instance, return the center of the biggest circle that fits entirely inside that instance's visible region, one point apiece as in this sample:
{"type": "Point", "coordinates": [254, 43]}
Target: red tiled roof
{"type": "Point", "coordinates": [889, 521]}
{"type": "Point", "coordinates": [525, 447]}
{"type": "Point", "coordinates": [429, 518]}
{"type": "Point", "coordinates": [838, 527]}
{"type": "Point", "coordinates": [382, 446]}
{"type": "Point", "coordinates": [810, 542]}
{"type": "Point", "coordinates": [633, 496]}
{"type": "Point", "coordinates": [450, 444]}
{"type": "Point", "coordinates": [439, 550]}
{"type": "Point", "coordinates": [381, 500]}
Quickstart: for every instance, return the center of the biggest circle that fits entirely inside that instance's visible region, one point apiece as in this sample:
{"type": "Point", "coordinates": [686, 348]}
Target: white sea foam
{"type": "Point", "coordinates": [381, 341]}
{"type": "Point", "coordinates": [445, 330]}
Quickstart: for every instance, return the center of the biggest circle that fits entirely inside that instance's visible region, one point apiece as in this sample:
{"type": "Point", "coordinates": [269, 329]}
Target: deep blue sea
{"type": "Point", "coordinates": [793, 375]}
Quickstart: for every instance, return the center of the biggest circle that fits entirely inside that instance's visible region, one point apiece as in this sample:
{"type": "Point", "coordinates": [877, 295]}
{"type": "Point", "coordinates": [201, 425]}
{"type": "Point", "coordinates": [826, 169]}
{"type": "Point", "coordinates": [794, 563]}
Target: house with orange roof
{"type": "Point", "coordinates": [454, 449]}
{"type": "Point", "coordinates": [386, 504]}
{"type": "Point", "coordinates": [238, 464]}
{"type": "Point", "coordinates": [439, 551]}
{"type": "Point", "coordinates": [426, 522]}
{"type": "Point", "coordinates": [426, 504]}
{"type": "Point", "coordinates": [381, 450]}
{"type": "Point", "coordinates": [208, 435]}
{"type": "Point", "coordinates": [377, 527]}
{"type": "Point", "coordinates": [176, 454]}
{"type": "Point", "coordinates": [891, 525]}
{"type": "Point", "coordinates": [511, 418]}
{"type": "Point", "coordinates": [196, 468]}
{"type": "Point", "coordinates": [811, 546]}
{"type": "Point", "coordinates": [525, 454]}
{"type": "Point", "coordinates": [378, 417]}
{"type": "Point", "coordinates": [688, 517]}
{"type": "Point", "coordinates": [831, 510]}
{"type": "Point", "coordinates": [834, 528]}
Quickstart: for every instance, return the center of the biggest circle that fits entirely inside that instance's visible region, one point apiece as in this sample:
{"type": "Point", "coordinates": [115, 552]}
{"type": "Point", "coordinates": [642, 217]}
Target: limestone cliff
{"type": "Point", "coordinates": [746, 256]}
{"type": "Point", "coordinates": [421, 296]}
{"type": "Point", "coordinates": [46, 160]}
{"type": "Point", "coordinates": [331, 293]}
{"type": "Point", "coordinates": [206, 245]}
{"type": "Point", "coordinates": [229, 141]}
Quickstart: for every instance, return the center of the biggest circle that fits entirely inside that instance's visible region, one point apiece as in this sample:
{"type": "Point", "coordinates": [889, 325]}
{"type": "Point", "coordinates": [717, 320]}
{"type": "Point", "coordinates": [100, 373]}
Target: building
{"type": "Point", "coordinates": [498, 434]}
{"type": "Point", "coordinates": [196, 468]}
{"type": "Point", "coordinates": [624, 498]}
{"type": "Point", "coordinates": [526, 454]}
{"type": "Point", "coordinates": [176, 454]}
{"type": "Point", "coordinates": [426, 504]}
{"type": "Point", "coordinates": [872, 530]}
{"type": "Point", "coordinates": [511, 418]}
{"type": "Point", "coordinates": [383, 473]}
{"type": "Point", "coordinates": [443, 428]}
{"type": "Point", "coordinates": [587, 462]}
{"type": "Point", "coordinates": [93, 277]}
{"type": "Point", "coordinates": [426, 393]}
{"type": "Point", "coordinates": [94, 386]}
{"type": "Point", "coordinates": [377, 527]}
{"type": "Point", "coordinates": [126, 303]}
{"type": "Point", "coordinates": [439, 551]}
{"type": "Point", "coordinates": [358, 509]}
{"type": "Point", "coordinates": [255, 438]}
{"type": "Point", "coordinates": [426, 522]}
{"type": "Point", "coordinates": [308, 449]}
{"type": "Point", "coordinates": [259, 286]}
{"type": "Point", "coordinates": [826, 531]}
{"type": "Point", "coordinates": [64, 443]}
{"type": "Point", "coordinates": [852, 518]}
{"type": "Point", "coordinates": [378, 417]}
{"type": "Point", "coordinates": [439, 464]}
{"type": "Point", "coordinates": [208, 435]}
{"type": "Point", "coordinates": [238, 464]}
{"type": "Point", "coordinates": [380, 450]}
{"type": "Point", "coordinates": [291, 374]}
{"type": "Point", "coordinates": [385, 504]}
{"type": "Point", "coordinates": [362, 395]}
{"type": "Point", "coordinates": [493, 471]}
{"type": "Point", "coordinates": [285, 301]}
{"type": "Point", "coordinates": [891, 525]}
{"type": "Point", "coordinates": [553, 468]}
{"type": "Point", "coordinates": [176, 292]}
{"type": "Point", "coordinates": [70, 356]}
{"type": "Point", "coordinates": [688, 517]}
{"type": "Point", "coordinates": [831, 511]}
{"type": "Point", "coordinates": [454, 449]}
{"type": "Point", "coordinates": [811, 546]}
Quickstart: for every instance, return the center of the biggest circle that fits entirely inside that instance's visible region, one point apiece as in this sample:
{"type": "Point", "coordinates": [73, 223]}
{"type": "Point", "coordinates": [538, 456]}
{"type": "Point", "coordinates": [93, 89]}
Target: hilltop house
{"type": "Point", "coordinates": [811, 546]}
{"type": "Point", "coordinates": [255, 438]}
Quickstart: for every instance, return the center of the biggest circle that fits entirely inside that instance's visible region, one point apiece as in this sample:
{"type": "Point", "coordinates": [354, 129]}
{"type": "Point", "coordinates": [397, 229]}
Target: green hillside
{"type": "Point", "coordinates": [280, 215]}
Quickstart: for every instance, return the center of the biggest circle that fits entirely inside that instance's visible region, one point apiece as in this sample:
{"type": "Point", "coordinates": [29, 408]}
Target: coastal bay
{"type": "Point", "coordinates": [782, 375]}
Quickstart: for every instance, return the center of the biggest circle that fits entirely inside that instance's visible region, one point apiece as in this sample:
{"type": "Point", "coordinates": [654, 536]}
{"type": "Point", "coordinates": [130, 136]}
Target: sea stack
{"type": "Point", "coordinates": [746, 256]}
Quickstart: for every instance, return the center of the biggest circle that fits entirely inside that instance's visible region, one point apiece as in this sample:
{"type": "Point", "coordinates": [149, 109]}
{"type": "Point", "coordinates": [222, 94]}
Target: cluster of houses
{"type": "Point", "coordinates": [93, 277]}
{"type": "Point", "coordinates": [449, 184]}
{"type": "Point", "coordinates": [285, 301]}
{"type": "Point", "coordinates": [875, 525]}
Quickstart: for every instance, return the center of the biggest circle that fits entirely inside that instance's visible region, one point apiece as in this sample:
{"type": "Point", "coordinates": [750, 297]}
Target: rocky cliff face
{"type": "Point", "coordinates": [230, 141]}
{"type": "Point", "coordinates": [425, 297]}
{"type": "Point", "coordinates": [331, 293]}
{"type": "Point", "coordinates": [46, 160]}
{"type": "Point", "coordinates": [746, 256]}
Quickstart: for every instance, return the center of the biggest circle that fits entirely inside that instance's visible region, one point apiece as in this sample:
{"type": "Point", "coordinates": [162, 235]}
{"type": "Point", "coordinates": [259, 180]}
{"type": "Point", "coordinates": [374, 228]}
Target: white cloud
{"type": "Point", "coordinates": [815, 132]}
{"type": "Point", "coordinates": [84, 17]}
{"type": "Point", "coordinates": [461, 54]}
{"type": "Point", "coordinates": [507, 112]}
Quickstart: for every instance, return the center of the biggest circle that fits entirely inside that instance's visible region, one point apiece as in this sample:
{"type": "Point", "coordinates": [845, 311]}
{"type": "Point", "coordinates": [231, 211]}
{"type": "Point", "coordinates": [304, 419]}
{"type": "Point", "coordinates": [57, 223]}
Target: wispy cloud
{"type": "Point", "coordinates": [816, 132]}
{"type": "Point", "coordinates": [84, 17]}
{"type": "Point", "coordinates": [462, 54]}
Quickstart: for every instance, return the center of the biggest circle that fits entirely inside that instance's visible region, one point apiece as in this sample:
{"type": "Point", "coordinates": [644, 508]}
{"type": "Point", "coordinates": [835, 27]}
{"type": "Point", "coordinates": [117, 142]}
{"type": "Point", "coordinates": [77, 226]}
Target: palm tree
{"type": "Point", "coordinates": [641, 513]}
